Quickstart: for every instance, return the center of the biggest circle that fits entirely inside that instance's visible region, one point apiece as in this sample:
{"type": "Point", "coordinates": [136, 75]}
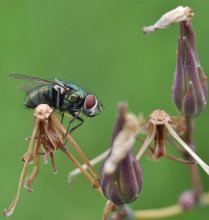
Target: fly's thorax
{"type": "Point", "coordinates": [73, 101]}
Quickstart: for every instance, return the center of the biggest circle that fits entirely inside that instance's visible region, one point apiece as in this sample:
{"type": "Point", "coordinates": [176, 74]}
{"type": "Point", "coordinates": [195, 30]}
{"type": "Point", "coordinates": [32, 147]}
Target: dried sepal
{"type": "Point", "coordinates": [176, 15]}
{"type": "Point", "coordinates": [29, 180]}
{"type": "Point", "coordinates": [124, 141]}
{"type": "Point", "coordinates": [156, 130]}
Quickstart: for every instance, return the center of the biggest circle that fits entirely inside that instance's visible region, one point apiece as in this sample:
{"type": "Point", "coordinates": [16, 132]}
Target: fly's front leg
{"type": "Point", "coordinates": [58, 98]}
{"type": "Point", "coordinates": [75, 117]}
{"type": "Point", "coordinates": [81, 121]}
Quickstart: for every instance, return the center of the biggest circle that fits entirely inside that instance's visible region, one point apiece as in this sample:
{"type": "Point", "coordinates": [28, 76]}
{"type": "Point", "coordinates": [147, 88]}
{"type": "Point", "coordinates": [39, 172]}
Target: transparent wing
{"type": "Point", "coordinates": [35, 82]}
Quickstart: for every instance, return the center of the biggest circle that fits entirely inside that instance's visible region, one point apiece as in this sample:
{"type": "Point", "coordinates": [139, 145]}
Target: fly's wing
{"type": "Point", "coordinates": [35, 82]}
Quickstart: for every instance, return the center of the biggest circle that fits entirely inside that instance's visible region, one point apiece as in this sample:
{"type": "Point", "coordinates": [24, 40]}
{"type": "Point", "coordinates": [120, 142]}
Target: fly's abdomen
{"type": "Point", "coordinates": [40, 95]}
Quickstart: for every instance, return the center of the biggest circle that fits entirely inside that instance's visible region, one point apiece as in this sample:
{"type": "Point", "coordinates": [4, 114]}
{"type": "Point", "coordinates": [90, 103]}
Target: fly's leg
{"type": "Point", "coordinates": [75, 117]}
{"type": "Point", "coordinates": [81, 121]}
{"type": "Point", "coordinates": [58, 98]}
{"type": "Point", "coordinates": [63, 114]}
{"type": "Point", "coordinates": [58, 104]}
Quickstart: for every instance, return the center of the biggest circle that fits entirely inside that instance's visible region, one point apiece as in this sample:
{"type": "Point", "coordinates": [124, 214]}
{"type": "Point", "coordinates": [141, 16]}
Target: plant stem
{"type": "Point", "coordinates": [166, 211]}
{"type": "Point", "coordinates": [188, 138]}
{"type": "Point", "coordinates": [124, 213]}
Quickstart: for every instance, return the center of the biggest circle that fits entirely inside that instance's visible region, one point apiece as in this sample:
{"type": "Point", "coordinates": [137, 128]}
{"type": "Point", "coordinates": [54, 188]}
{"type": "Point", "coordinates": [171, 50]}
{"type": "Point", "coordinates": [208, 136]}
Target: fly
{"type": "Point", "coordinates": [63, 96]}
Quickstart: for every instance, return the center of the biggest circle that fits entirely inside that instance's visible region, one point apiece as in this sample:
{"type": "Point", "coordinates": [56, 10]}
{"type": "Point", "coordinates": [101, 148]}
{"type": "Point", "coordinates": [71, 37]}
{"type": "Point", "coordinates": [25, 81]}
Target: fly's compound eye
{"type": "Point", "coordinates": [90, 105]}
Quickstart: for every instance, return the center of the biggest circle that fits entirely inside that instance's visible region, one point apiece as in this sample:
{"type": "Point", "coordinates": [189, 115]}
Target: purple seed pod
{"type": "Point", "coordinates": [190, 82]}
{"type": "Point", "coordinates": [123, 185]}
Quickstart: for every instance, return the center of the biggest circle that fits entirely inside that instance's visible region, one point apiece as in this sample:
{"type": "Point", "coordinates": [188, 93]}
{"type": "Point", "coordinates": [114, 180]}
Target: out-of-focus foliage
{"type": "Point", "coordinates": [100, 46]}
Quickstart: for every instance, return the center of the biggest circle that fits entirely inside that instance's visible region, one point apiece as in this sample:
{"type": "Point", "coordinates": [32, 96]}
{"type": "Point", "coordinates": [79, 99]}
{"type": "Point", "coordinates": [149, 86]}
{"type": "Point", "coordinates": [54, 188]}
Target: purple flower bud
{"type": "Point", "coordinates": [190, 82]}
{"type": "Point", "coordinates": [123, 185]}
{"type": "Point", "coordinates": [187, 200]}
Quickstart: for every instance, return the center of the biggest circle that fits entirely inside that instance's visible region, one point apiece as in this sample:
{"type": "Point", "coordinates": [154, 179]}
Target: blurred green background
{"type": "Point", "coordinates": [98, 45]}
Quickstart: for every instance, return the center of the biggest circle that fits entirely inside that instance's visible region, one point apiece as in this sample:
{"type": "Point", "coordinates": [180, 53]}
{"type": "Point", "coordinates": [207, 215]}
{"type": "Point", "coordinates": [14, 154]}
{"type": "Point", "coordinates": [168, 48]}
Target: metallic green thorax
{"type": "Point", "coordinates": [75, 98]}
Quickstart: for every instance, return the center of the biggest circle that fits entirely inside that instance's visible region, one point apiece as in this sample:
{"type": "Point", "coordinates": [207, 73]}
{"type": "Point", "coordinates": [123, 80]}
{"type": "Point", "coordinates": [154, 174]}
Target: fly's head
{"type": "Point", "coordinates": [91, 104]}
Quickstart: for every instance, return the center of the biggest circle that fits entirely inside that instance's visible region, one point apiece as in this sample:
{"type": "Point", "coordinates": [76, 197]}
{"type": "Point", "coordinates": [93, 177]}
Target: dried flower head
{"type": "Point", "coordinates": [158, 125]}
{"type": "Point", "coordinates": [46, 138]}
{"type": "Point", "coordinates": [174, 16]}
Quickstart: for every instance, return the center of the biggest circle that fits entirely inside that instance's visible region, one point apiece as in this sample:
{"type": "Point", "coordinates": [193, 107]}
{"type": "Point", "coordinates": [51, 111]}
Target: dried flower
{"type": "Point", "coordinates": [46, 138]}
{"type": "Point", "coordinates": [121, 179]}
{"type": "Point", "coordinates": [174, 16]}
{"type": "Point", "coordinates": [190, 82]}
{"type": "Point", "coordinates": [158, 125]}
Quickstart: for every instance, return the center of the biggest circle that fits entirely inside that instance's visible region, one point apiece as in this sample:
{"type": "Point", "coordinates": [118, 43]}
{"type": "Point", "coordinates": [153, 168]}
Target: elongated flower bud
{"type": "Point", "coordinates": [123, 183]}
{"type": "Point", "coordinates": [190, 83]}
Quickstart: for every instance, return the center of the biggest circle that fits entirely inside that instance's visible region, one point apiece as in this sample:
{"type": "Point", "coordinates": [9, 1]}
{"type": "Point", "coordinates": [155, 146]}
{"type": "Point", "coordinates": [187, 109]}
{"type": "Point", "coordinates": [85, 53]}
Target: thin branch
{"type": "Point", "coordinates": [166, 211]}
{"type": "Point", "coordinates": [93, 162]}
